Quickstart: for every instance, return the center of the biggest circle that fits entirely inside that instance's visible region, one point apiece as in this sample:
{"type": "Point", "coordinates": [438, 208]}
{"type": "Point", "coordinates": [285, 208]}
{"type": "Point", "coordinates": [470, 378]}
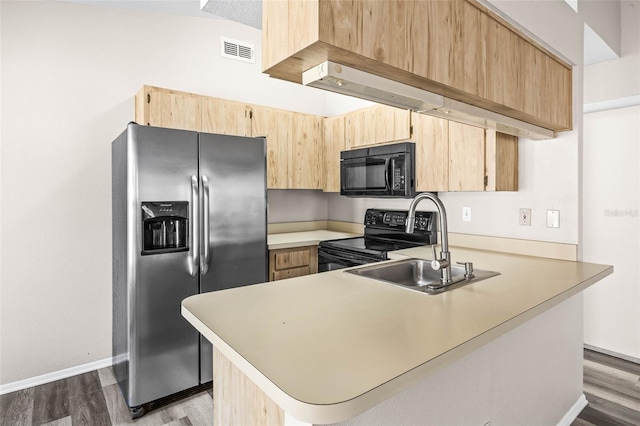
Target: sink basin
{"type": "Point", "coordinates": [417, 274]}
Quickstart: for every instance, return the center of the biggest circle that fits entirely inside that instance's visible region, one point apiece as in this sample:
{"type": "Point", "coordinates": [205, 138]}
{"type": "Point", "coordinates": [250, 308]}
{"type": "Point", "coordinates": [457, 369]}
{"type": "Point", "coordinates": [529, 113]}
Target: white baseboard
{"type": "Point", "coordinates": [612, 353]}
{"type": "Point", "coordinates": [55, 375]}
{"type": "Point", "coordinates": [573, 413]}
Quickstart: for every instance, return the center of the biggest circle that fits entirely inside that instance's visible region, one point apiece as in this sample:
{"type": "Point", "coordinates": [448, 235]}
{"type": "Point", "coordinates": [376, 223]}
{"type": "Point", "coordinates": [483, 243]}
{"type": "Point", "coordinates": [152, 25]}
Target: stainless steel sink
{"type": "Point", "coordinates": [417, 274]}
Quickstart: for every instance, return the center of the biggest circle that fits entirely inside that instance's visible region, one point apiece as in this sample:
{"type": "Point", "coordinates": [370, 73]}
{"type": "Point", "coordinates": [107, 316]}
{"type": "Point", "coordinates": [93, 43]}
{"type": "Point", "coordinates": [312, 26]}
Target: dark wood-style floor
{"type": "Point", "coordinates": [612, 388]}
{"type": "Point", "coordinates": [94, 399]}
{"type": "Point", "coordinates": [611, 385]}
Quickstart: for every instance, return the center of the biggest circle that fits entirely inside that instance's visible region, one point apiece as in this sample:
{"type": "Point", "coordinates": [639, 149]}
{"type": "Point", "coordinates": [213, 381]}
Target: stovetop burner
{"type": "Point", "coordinates": [384, 232]}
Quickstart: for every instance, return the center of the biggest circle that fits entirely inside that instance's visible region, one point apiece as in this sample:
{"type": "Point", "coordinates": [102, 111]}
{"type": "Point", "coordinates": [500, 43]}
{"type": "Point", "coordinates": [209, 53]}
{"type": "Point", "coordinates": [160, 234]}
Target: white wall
{"type": "Point", "coordinates": [618, 78]}
{"type": "Point", "coordinates": [612, 229]}
{"type": "Point", "coordinates": [611, 190]}
{"type": "Point", "coordinates": [286, 205]}
{"type": "Point", "coordinates": [69, 74]}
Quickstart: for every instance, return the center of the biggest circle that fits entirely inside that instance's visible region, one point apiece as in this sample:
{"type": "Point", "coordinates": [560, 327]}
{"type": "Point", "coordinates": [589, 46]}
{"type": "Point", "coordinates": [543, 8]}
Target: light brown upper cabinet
{"type": "Point", "coordinates": [501, 161]}
{"type": "Point", "coordinates": [306, 160]}
{"type": "Point", "coordinates": [295, 157]}
{"type": "Point", "coordinates": [431, 136]}
{"type": "Point", "coordinates": [294, 147]}
{"type": "Point", "coordinates": [335, 141]}
{"type": "Point", "coordinates": [160, 107]}
{"type": "Point", "coordinates": [455, 48]}
{"type": "Point", "coordinates": [466, 158]}
{"type": "Point", "coordinates": [168, 108]}
{"type": "Point", "coordinates": [274, 126]}
{"type": "Point", "coordinates": [226, 117]}
{"type": "Point", "coordinates": [377, 124]}
{"type": "Point", "coordinates": [481, 160]}
{"type": "Point", "coordinates": [457, 157]}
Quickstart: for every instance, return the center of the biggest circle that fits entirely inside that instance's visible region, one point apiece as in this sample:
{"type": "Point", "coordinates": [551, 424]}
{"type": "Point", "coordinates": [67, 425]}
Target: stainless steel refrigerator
{"type": "Point", "coordinates": [189, 216]}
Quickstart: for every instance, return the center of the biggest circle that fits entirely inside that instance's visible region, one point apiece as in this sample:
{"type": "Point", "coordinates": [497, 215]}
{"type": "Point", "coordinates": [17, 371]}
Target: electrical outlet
{"type": "Point", "coordinates": [466, 214]}
{"type": "Point", "coordinates": [525, 217]}
{"type": "Point", "coordinates": [553, 218]}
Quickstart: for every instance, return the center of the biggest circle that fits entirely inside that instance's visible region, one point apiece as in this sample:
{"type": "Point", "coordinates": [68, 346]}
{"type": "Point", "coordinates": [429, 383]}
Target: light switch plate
{"type": "Point", "coordinates": [553, 218]}
{"type": "Point", "coordinates": [466, 214]}
{"type": "Point", "coordinates": [525, 217]}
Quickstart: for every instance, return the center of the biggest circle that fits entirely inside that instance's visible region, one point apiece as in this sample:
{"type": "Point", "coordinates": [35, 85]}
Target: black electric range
{"type": "Point", "coordinates": [383, 232]}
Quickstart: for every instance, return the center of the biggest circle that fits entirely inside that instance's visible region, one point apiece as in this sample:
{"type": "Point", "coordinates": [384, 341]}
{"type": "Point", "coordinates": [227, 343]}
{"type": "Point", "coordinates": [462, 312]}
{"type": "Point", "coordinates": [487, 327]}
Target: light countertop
{"type": "Point", "coordinates": [326, 347]}
{"type": "Point", "coordinates": [305, 238]}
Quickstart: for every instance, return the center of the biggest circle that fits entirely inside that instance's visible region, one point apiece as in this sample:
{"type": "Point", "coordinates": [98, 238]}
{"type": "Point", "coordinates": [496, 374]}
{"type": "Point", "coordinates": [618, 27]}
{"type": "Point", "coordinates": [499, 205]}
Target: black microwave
{"type": "Point", "coordinates": [379, 171]}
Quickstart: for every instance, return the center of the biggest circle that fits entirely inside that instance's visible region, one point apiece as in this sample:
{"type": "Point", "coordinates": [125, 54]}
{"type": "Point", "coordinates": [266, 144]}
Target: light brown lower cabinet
{"type": "Point", "coordinates": [238, 400]}
{"type": "Point", "coordinates": [292, 262]}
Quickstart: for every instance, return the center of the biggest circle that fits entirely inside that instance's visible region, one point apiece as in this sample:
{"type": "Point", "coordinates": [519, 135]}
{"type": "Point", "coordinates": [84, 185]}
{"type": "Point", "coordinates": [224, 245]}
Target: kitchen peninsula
{"type": "Point", "coordinates": [336, 347]}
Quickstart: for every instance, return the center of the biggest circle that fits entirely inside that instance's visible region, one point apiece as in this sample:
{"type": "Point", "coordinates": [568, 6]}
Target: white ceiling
{"type": "Point", "coordinates": [248, 12]}
{"type": "Point", "coordinates": [595, 48]}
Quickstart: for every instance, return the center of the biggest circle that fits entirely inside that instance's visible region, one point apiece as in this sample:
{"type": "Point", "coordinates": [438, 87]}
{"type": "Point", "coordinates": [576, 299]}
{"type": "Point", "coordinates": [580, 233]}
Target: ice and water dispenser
{"type": "Point", "coordinates": [164, 227]}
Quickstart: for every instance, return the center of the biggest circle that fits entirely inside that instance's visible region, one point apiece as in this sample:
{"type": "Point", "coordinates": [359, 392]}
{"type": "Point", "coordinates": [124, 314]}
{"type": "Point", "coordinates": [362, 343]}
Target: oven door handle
{"type": "Point", "coordinates": [343, 257]}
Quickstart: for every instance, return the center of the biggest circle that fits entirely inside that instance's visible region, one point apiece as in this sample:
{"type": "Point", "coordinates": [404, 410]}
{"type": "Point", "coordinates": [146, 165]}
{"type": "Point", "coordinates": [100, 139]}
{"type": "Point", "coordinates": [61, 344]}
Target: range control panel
{"type": "Point", "coordinates": [396, 219]}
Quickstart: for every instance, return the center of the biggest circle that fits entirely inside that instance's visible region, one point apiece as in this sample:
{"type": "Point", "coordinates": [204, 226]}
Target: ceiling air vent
{"type": "Point", "coordinates": [238, 50]}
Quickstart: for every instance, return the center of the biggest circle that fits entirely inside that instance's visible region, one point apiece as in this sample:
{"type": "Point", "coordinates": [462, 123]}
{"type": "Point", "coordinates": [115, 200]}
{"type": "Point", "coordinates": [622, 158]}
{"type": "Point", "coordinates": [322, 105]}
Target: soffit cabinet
{"type": "Point", "coordinates": [455, 48]}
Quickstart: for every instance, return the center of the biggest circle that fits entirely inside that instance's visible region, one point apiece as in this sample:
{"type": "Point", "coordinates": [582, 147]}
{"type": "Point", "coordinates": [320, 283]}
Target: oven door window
{"type": "Point", "coordinates": [366, 174]}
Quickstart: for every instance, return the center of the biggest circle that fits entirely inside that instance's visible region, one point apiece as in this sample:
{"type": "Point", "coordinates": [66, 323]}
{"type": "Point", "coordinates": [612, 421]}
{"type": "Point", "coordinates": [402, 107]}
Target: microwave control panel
{"type": "Point", "coordinates": [398, 174]}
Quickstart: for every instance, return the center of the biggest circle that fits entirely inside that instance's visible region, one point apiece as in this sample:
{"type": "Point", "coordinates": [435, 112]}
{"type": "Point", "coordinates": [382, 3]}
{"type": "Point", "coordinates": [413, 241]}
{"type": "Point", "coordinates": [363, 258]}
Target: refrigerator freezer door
{"type": "Point", "coordinates": [164, 350]}
{"type": "Point", "coordinates": [235, 169]}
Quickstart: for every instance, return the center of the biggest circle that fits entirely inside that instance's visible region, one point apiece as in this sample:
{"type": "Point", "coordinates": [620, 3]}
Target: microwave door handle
{"type": "Point", "coordinates": [387, 163]}
{"type": "Point", "coordinates": [194, 237]}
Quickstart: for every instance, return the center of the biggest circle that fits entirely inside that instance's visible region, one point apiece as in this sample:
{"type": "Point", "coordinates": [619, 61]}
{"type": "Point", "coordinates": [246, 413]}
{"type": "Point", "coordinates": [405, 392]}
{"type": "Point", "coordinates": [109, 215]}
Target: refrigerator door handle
{"type": "Point", "coordinates": [195, 236]}
{"type": "Point", "coordinates": [204, 259]}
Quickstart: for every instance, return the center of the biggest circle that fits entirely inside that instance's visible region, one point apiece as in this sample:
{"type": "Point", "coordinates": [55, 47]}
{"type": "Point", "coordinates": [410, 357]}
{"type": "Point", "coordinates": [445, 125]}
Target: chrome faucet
{"type": "Point", "coordinates": [444, 262]}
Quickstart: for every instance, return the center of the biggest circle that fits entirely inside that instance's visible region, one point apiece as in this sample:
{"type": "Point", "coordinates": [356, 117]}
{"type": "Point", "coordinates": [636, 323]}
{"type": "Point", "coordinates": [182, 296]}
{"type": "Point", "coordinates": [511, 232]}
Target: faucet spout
{"type": "Point", "coordinates": [444, 263]}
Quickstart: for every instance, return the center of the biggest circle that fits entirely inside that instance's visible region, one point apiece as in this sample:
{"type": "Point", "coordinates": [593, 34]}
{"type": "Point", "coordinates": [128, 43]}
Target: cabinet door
{"type": "Point", "coordinates": [501, 160]}
{"type": "Point", "coordinates": [167, 108]}
{"type": "Point", "coordinates": [292, 262]}
{"type": "Point", "coordinates": [378, 124]}
{"type": "Point", "coordinates": [274, 125]}
{"type": "Point", "coordinates": [431, 136]}
{"type": "Point", "coordinates": [305, 151]}
{"type": "Point", "coordinates": [466, 157]}
{"type": "Point", "coordinates": [334, 142]}
{"type": "Point", "coordinates": [226, 117]}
